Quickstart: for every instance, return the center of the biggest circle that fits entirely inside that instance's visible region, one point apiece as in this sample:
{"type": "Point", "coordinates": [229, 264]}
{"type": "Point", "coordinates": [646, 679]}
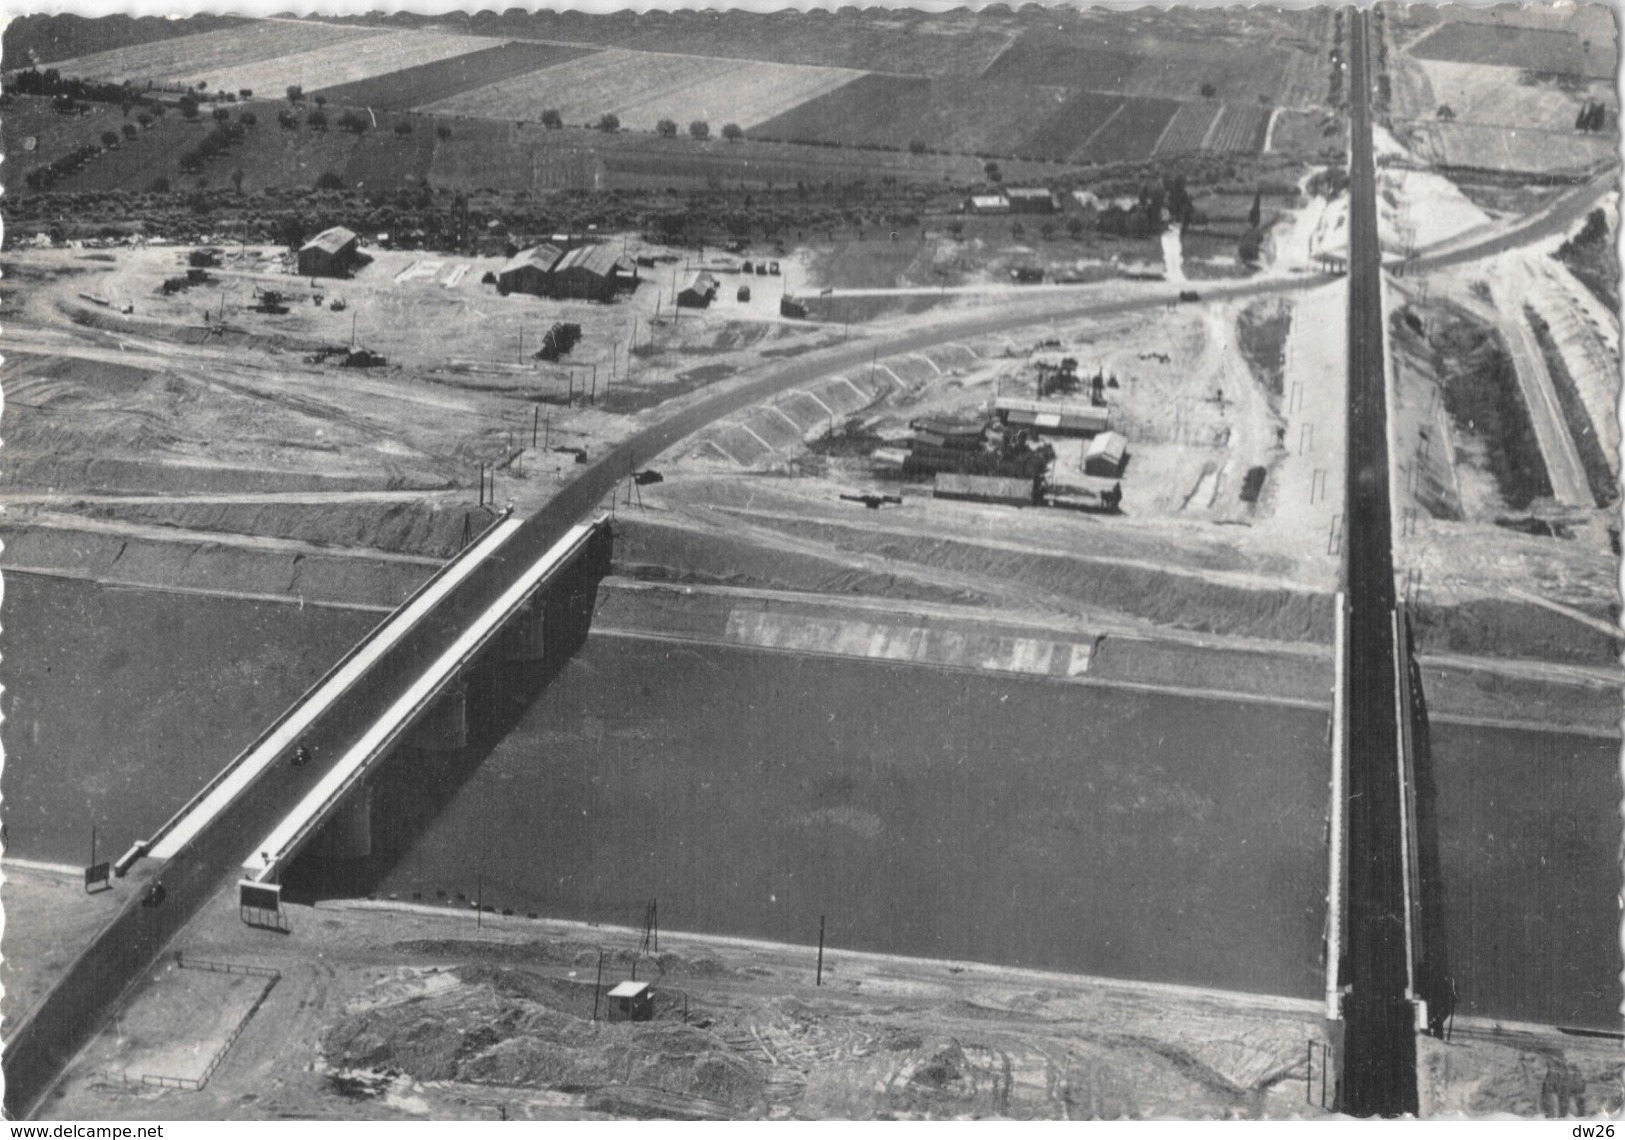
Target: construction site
{"type": "Point", "coordinates": [947, 559]}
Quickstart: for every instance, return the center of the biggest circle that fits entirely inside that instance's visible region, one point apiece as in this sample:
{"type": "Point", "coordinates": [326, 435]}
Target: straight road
{"type": "Point", "coordinates": [1379, 1068]}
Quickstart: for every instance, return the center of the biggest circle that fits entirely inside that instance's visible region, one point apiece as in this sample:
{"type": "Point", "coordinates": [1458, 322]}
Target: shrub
{"type": "Point", "coordinates": [733, 132]}
{"type": "Point", "coordinates": [666, 129]}
{"type": "Point", "coordinates": [110, 138]}
{"type": "Point", "coordinates": [916, 146]}
{"type": "Point", "coordinates": [130, 130]}
{"type": "Point", "coordinates": [327, 180]}
{"type": "Point", "coordinates": [442, 132]}
{"type": "Point", "coordinates": [608, 122]}
{"type": "Point", "coordinates": [700, 129]}
{"type": "Point", "coordinates": [552, 120]}
{"type": "Point", "coordinates": [403, 128]}
{"type": "Point", "coordinates": [295, 93]}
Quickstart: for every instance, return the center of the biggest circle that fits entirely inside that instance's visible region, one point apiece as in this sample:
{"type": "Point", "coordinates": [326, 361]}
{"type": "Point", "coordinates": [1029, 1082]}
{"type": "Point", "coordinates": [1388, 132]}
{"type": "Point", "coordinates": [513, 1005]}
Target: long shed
{"type": "Point", "coordinates": [1105, 454]}
{"type": "Point", "coordinates": [592, 272]}
{"type": "Point", "coordinates": [1056, 417]}
{"type": "Point", "coordinates": [527, 271]}
{"type": "Point", "coordinates": [986, 489]}
{"type": "Point", "coordinates": [332, 253]}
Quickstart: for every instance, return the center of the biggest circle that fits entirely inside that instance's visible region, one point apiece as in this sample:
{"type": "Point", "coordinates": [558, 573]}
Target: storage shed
{"type": "Point", "coordinates": [986, 489]}
{"type": "Point", "coordinates": [527, 271]}
{"type": "Point", "coordinates": [632, 1001]}
{"type": "Point", "coordinates": [1105, 454]}
{"type": "Point", "coordinates": [698, 293]}
{"type": "Point", "coordinates": [1053, 417]}
{"type": "Point", "coordinates": [1030, 200]}
{"type": "Point", "coordinates": [592, 272]}
{"type": "Point", "coordinates": [331, 253]}
{"type": "Point", "coordinates": [988, 204]}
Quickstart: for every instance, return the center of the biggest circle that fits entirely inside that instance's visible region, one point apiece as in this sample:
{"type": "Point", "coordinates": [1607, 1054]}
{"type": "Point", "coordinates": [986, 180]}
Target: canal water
{"type": "Point", "coordinates": [979, 817]}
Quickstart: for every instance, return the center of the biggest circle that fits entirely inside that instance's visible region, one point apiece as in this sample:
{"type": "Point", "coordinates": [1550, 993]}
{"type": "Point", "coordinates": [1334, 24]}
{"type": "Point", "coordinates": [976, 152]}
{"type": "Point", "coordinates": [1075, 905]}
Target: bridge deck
{"type": "Point", "coordinates": [285, 735]}
{"type": "Point", "coordinates": [324, 798]}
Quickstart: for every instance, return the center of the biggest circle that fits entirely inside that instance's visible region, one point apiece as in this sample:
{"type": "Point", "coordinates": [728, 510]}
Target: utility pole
{"type": "Point", "coordinates": [352, 331]}
{"type": "Point", "coordinates": [819, 980]}
{"type": "Point", "coordinates": [479, 889]}
{"type": "Point", "coordinates": [593, 398]}
{"type": "Point", "coordinates": [598, 985]}
{"type": "Point", "coordinates": [535, 419]}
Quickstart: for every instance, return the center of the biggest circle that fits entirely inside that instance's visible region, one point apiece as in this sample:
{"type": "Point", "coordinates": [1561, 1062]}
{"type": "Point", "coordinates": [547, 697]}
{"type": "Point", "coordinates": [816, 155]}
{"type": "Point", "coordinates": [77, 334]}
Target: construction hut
{"type": "Point", "coordinates": [988, 204]}
{"type": "Point", "coordinates": [632, 1001]}
{"type": "Point", "coordinates": [1030, 200]}
{"type": "Point", "coordinates": [935, 432]}
{"type": "Point", "coordinates": [527, 271]}
{"type": "Point", "coordinates": [1105, 455]}
{"type": "Point", "coordinates": [986, 489]}
{"type": "Point", "coordinates": [592, 272]}
{"type": "Point", "coordinates": [331, 253]}
{"type": "Point", "coordinates": [699, 292]}
{"type": "Point", "coordinates": [1053, 417]}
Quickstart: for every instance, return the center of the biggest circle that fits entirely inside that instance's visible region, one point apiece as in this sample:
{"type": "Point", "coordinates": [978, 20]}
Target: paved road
{"type": "Point", "coordinates": [1379, 1069]}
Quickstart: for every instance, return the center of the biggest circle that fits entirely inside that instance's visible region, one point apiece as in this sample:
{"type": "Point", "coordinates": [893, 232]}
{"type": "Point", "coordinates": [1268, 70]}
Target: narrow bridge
{"type": "Point", "coordinates": [521, 592]}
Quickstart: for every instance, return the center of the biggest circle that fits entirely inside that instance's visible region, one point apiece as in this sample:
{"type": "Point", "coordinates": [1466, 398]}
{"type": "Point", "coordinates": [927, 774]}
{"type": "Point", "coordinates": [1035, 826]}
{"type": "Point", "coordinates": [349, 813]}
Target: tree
{"type": "Point", "coordinates": [608, 122]}
{"type": "Point", "coordinates": [321, 100]}
{"type": "Point", "coordinates": [1256, 214]}
{"type": "Point", "coordinates": [144, 119]}
{"type": "Point", "coordinates": [732, 132]}
{"type": "Point", "coordinates": [354, 122]}
{"type": "Point", "coordinates": [1074, 227]}
{"type": "Point", "coordinates": [442, 132]}
{"type": "Point", "coordinates": [1179, 201]}
{"type": "Point", "coordinates": [1208, 90]}
{"type": "Point", "coordinates": [130, 130]}
{"type": "Point", "coordinates": [1047, 230]}
{"type": "Point", "coordinates": [1445, 113]}
{"type": "Point", "coordinates": [916, 146]}
{"type": "Point", "coordinates": [237, 180]}
{"type": "Point", "coordinates": [552, 120]}
{"type": "Point", "coordinates": [296, 93]}
{"type": "Point", "coordinates": [666, 129]}
{"type": "Point", "coordinates": [287, 120]}
{"type": "Point", "coordinates": [327, 180]}
{"type": "Point", "coordinates": [110, 138]}
{"type": "Point", "coordinates": [1248, 249]}
{"type": "Point", "coordinates": [188, 108]}
{"type": "Point", "coordinates": [202, 84]}
{"type": "Point", "coordinates": [403, 128]}
{"type": "Point", "coordinates": [317, 119]}
{"type": "Point", "coordinates": [956, 228]}
{"type": "Point", "coordinates": [245, 93]}
{"type": "Point", "coordinates": [248, 119]}
{"type": "Point", "coordinates": [699, 129]}
{"type": "Point", "coordinates": [994, 174]}
{"type": "Point", "coordinates": [221, 115]}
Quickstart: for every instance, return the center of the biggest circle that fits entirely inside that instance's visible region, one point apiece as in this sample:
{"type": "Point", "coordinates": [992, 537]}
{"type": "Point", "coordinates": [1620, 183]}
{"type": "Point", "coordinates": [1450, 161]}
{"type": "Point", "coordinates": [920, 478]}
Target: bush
{"type": "Point", "coordinates": [552, 120]}
{"type": "Point", "coordinates": [608, 122]}
{"type": "Point", "coordinates": [916, 146]}
{"type": "Point", "coordinates": [327, 180]}
{"type": "Point", "coordinates": [732, 132]}
{"type": "Point", "coordinates": [317, 120]}
{"type": "Point", "coordinates": [160, 185]}
{"type": "Point", "coordinates": [403, 129]}
{"type": "Point", "coordinates": [700, 129]}
{"type": "Point", "coordinates": [1208, 90]}
{"type": "Point", "coordinates": [353, 121]}
{"type": "Point", "coordinates": [442, 132]}
{"type": "Point", "coordinates": [295, 93]}
{"type": "Point", "coordinates": [110, 139]}
{"type": "Point", "coordinates": [130, 130]}
{"type": "Point", "coordinates": [666, 129]}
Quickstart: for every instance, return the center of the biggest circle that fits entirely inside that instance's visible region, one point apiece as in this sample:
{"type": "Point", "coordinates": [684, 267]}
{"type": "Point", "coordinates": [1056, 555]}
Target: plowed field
{"type": "Point", "coordinates": [641, 88]}
{"type": "Point", "coordinates": [441, 79]}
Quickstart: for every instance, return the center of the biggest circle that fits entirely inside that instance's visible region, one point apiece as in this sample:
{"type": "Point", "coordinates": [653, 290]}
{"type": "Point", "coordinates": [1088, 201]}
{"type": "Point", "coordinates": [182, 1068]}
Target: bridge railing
{"type": "Point", "coordinates": [203, 793]}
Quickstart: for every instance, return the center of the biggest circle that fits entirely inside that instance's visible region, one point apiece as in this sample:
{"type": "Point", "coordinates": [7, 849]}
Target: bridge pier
{"type": "Point", "coordinates": [444, 728]}
{"type": "Point", "coordinates": [526, 640]}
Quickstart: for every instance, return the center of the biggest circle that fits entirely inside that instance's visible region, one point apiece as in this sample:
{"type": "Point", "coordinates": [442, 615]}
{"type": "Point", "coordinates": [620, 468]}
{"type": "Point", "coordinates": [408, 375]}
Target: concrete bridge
{"type": "Point", "coordinates": [520, 596]}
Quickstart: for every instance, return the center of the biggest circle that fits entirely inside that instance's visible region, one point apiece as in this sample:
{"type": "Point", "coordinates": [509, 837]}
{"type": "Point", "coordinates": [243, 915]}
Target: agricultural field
{"type": "Point", "coordinates": [1241, 128]}
{"type": "Point", "coordinates": [1131, 135]}
{"type": "Point", "coordinates": [1188, 130]}
{"type": "Point", "coordinates": [209, 56]}
{"type": "Point", "coordinates": [1536, 49]}
{"type": "Point", "coordinates": [1066, 132]}
{"type": "Point", "coordinates": [1496, 148]}
{"type": "Point", "coordinates": [1500, 96]}
{"type": "Point", "coordinates": [34, 134]}
{"type": "Point", "coordinates": [444, 78]}
{"type": "Point", "coordinates": [962, 43]}
{"type": "Point", "coordinates": [875, 110]}
{"type": "Point", "coordinates": [644, 87]}
{"type": "Point", "coordinates": [44, 40]}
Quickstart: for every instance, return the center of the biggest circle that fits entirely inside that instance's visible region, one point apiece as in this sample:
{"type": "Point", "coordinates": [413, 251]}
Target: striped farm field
{"type": "Point", "coordinates": [1132, 134]}
{"type": "Point", "coordinates": [1241, 128]}
{"type": "Point", "coordinates": [874, 110]}
{"type": "Point", "coordinates": [443, 78]}
{"type": "Point", "coordinates": [1189, 127]}
{"type": "Point", "coordinates": [345, 62]}
{"type": "Point", "coordinates": [208, 54]}
{"type": "Point", "coordinates": [1068, 130]}
{"type": "Point", "coordinates": [641, 88]}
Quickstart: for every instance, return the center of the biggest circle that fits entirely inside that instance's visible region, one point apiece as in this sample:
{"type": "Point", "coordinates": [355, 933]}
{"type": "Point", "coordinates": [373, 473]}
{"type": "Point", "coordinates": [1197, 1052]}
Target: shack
{"type": "Point", "coordinates": [699, 292]}
{"type": "Point", "coordinates": [527, 271]}
{"type": "Point", "coordinates": [590, 272]}
{"type": "Point", "coordinates": [987, 204]}
{"type": "Point", "coordinates": [987, 489]}
{"type": "Point", "coordinates": [1105, 454]}
{"type": "Point", "coordinates": [1053, 417]}
{"type": "Point", "coordinates": [632, 1001]}
{"type": "Point", "coordinates": [332, 253]}
{"type": "Point", "coordinates": [1030, 200]}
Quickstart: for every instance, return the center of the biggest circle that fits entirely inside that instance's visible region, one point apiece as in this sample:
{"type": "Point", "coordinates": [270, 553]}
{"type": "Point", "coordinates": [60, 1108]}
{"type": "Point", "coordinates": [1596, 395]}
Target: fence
{"type": "Point", "coordinates": [194, 1084]}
